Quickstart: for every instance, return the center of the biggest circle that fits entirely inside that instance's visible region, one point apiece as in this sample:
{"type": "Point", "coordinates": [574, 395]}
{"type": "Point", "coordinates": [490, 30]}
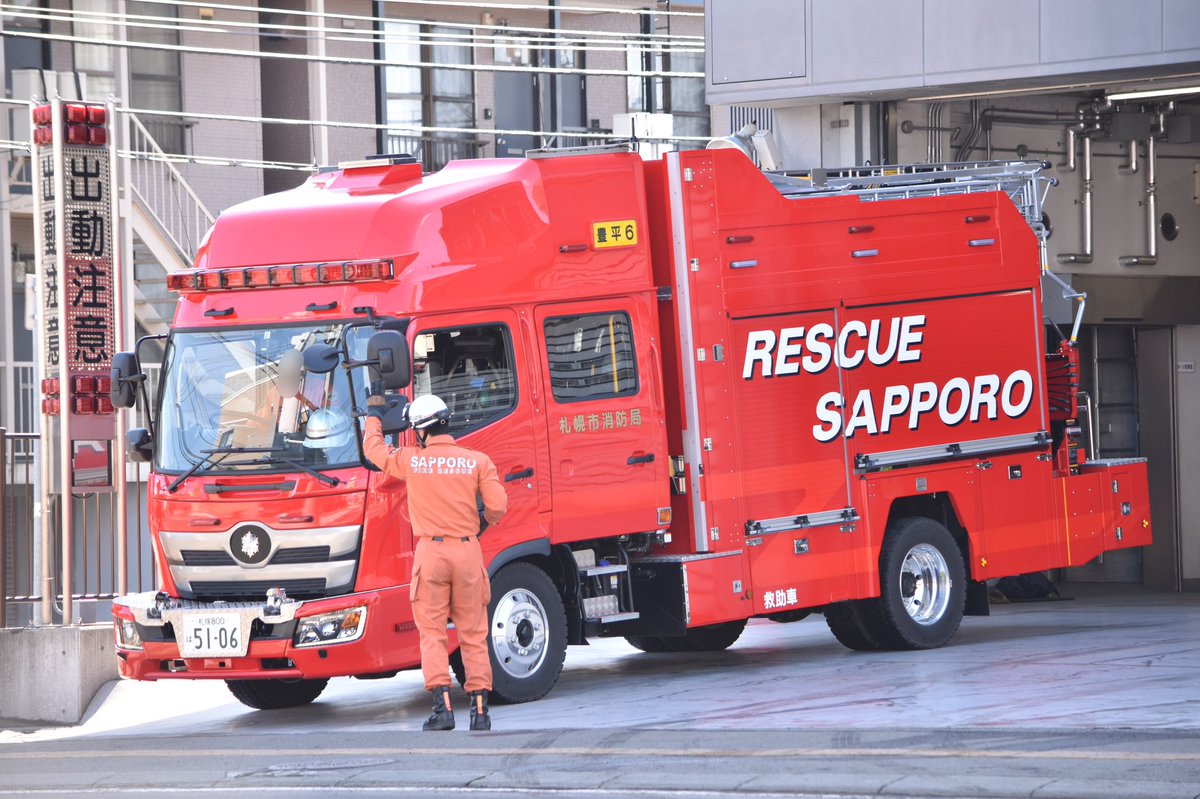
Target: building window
{"type": "Point", "coordinates": [682, 98]}
{"type": "Point", "coordinates": [428, 97]}
{"type": "Point", "coordinates": [155, 81]}
{"type": "Point", "coordinates": [591, 357]}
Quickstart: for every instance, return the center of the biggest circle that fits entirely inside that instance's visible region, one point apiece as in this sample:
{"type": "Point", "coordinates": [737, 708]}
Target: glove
{"type": "Point", "coordinates": [377, 406]}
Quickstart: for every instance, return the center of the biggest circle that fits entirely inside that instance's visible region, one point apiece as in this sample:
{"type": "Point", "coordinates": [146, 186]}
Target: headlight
{"type": "Point", "coordinates": [127, 634]}
{"type": "Point", "coordinates": [331, 628]}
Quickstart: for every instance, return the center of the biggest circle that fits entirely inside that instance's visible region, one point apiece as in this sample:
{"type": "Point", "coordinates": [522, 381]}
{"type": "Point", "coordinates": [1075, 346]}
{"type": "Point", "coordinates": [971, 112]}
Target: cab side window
{"type": "Point", "coordinates": [591, 357]}
{"type": "Point", "coordinates": [471, 369]}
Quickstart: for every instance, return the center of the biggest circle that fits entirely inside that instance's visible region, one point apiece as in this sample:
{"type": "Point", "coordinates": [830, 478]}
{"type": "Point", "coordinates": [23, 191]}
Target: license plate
{"type": "Point", "coordinates": [206, 635]}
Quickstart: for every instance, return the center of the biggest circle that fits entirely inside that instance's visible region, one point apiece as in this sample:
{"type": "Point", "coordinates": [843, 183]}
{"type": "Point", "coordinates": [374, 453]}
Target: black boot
{"type": "Point", "coordinates": [443, 714]}
{"type": "Point", "coordinates": [480, 719]}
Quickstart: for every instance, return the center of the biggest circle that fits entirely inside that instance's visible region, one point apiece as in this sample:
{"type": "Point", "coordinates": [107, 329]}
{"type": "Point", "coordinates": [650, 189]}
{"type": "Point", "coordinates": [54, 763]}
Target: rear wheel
{"type": "Point", "coordinates": [710, 638]}
{"type": "Point", "coordinates": [847, 621]}
{"type": "Point", "coordinates": [922, 587]}
{"type": "Point", "coordinates": [652, 643]}
{"type": "Point", "coordinates": [527, 639]}
{"type": "Point", "coordinates": [274, 694]}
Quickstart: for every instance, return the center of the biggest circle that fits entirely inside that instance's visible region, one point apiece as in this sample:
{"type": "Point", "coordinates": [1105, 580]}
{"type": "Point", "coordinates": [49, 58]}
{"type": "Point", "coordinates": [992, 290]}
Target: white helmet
{"type": "Point", "coordinates": [426, 411]}
{"type": "Point", "coordinates": [327, 429]}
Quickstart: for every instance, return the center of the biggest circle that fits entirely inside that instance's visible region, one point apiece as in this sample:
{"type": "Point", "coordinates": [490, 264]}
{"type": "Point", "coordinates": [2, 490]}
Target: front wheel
{"type": "Point", "coordinates": [275, 694]}
{"type": "Point", "coordinates": [527, 639]}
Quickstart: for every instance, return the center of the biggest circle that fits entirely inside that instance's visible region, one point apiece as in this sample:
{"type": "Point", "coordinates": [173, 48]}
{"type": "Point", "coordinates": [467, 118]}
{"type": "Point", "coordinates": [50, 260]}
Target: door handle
{"type": "Point", "coordinates": [508, 478]}
{"type": "Point", "coordinates": [634, 460]}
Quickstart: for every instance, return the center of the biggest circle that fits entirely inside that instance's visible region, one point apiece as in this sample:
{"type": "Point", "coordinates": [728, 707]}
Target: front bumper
{"type": "Point", "coordinates": [388, 643]}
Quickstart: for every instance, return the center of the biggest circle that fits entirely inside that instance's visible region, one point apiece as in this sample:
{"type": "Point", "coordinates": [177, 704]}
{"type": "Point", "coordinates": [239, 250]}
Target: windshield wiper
{"type": "Point", "coordinates": [327, 479]}
{"type": "Point", "coordinates": [209, 460]}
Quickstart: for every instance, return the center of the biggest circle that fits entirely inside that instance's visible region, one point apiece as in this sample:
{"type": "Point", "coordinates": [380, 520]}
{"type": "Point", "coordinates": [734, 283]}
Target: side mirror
{"type": "Point", "coordinates": [126, 376]}
{"type": "Point", "coordinates": [320, 359]}
{"type": "Point", "coordinates": [387, 352]}
{"type": "Point", "coordinates": [139, 447]}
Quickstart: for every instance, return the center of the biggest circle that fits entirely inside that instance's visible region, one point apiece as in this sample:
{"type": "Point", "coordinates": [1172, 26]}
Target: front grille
{"type": "Point", "coordinates": [257, 589]}
{"type": "Point", "coordinates": [206, 557]}
{"type": "Point", "coordinates": [216, 557]}
{"type": "Point", "coordinates": [301, 555]}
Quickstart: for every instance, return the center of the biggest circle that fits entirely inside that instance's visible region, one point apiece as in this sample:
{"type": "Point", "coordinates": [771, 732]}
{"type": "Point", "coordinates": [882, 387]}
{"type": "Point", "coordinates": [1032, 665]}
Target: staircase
{"type": "Point", "coordinates": [168, 222]}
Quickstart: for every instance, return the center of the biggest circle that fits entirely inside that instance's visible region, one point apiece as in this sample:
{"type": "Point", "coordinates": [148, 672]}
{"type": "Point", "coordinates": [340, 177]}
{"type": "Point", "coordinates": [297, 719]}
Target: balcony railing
{"type": "Point", "coordinates": [434, 152]}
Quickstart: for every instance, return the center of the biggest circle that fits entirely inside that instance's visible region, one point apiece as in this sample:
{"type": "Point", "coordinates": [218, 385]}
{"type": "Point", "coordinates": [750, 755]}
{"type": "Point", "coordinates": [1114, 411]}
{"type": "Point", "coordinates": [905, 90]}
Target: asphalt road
{"type": "Point", "coordinates": [1095, 697]}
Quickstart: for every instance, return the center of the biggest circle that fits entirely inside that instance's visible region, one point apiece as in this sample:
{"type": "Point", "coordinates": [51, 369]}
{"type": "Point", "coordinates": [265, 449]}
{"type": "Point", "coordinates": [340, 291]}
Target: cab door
{"type": "Point", "coordinates": [477, 363]}
{"type": "Point", "coordinates": [607, 441]}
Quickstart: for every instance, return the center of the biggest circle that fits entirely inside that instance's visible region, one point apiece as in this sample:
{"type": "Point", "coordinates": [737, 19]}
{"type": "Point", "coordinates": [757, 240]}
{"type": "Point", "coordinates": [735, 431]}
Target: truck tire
{"type": "Point", "coordinates": [922, 587]}
{"type": "Point", "coordinates": [848, 623]}
{"type": "Point", "coordinates": [274, 694]}
{"type": "Point", "coordinates": [527, 638]}
{"type": "Point", "coordinates": [713, 637]}
{"type": "Point", "coordinates": [654, 643]}
{"type": "Point", "coordinates": [710, 638]}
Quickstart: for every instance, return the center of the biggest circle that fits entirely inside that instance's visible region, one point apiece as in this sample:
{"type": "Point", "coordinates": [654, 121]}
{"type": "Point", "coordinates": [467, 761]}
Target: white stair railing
{"type": "Point", "coordinates": [164, 194]}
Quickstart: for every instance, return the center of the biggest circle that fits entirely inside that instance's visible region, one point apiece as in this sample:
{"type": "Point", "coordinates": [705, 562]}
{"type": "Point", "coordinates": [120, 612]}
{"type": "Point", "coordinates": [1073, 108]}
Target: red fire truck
{"type": "Point", "coordinates": [713, 394]}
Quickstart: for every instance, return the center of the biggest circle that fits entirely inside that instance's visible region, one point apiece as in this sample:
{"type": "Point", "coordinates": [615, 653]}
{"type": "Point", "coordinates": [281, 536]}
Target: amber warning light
{"type": "Point", "coordinates": [253, 277]}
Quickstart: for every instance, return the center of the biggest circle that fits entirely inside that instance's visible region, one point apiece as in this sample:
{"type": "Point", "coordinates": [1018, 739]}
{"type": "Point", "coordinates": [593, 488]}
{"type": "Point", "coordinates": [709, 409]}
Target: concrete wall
{"type": "Point", "coordinates": [222, 84]}
{"type": "Point", "coordinates": [351, 89]}
{"type": "Point", "coordinates": [871, 49]}
{"type": "Point", "coordinates": [50, 674]}
{"type": "Point", "coordinates": [809, 136]}
{"type": "Point", "coordinates": [1187, 388]}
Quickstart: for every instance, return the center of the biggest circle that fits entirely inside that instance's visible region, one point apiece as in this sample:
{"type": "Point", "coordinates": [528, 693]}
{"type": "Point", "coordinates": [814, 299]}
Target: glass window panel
{"type": "Point", "coordinates": [404, 111]}
{"type": "Point", "coordinates": [591, 357]}
{"type": "Point", "coordinates": [453, 115]}
{"type": "Point", "coordinates": [471, 370]}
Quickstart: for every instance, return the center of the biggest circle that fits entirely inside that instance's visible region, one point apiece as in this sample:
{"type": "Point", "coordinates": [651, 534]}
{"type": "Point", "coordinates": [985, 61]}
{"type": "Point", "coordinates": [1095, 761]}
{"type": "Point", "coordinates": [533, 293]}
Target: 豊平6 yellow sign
{"type": "Point", "coordinates": [623, 233]}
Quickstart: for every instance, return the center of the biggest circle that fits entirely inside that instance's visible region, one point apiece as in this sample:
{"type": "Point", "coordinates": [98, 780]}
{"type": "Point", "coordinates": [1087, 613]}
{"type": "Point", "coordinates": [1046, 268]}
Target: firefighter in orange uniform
{"type": "Point", "coordinates": [449, 579]}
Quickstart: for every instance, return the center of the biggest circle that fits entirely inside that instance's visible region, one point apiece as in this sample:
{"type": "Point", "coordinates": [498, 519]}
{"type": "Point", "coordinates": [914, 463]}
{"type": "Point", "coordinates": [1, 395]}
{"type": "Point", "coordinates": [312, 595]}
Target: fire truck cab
{"type": "Point", "coordinates": [711, 394]}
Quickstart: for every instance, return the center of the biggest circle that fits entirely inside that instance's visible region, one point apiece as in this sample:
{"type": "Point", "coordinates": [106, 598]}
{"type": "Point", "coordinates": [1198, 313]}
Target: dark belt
{"type": "Point", "coordinates": [439, 538]}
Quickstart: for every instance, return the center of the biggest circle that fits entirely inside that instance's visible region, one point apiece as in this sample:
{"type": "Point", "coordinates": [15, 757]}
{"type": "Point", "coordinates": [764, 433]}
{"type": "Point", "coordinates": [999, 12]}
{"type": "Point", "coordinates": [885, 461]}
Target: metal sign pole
{"type": "Point", "coordinates": [43, 519]}
{"type": "Point", "coordinates": [120, 344]}
{"type": "Point", "coordinates": [65, 511]}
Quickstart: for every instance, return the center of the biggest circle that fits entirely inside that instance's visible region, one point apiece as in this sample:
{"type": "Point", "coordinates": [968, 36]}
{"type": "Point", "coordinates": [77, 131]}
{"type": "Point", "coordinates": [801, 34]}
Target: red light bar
{"type": "Point", "coordinates": [77, 134]}
{"type": "Point", "coordinates": [51, 407]}
{"type": "Point", "coordinates": [49, 385]}
{"type": "Point", "coordinates": [97, 136]}
{"type": "Point", "coordinates": [330, 273]}
{"type": "Point", "coordinates": [75, 114]}
{"type": "Point", "coordinates": [262, 276]}
{"type": "Point", "coordinates": [83, 384]}
{"type": "Point", "coordinates": [306, 274]}
{"type": "Point", "coordinates": [374, 270]}
{"type": "Point", "coordinates": [104, 405]}
{"type": "Point", "coordinates": [181, 281]}
{"type": "Point", "coordinates": [232, 278]}
{"type": "Point", "coordinates": [103, 384]}
{"type": "Point", "coordinates": [96, 115]}
{"type": "Point", "coordinates": [85, 404]}
{"type": "Point", "coordinates": [43, 115]}
{"type": "Point", "coordinates": [257, 277]}
{"type": "Point", "coordinates": [42, 135]}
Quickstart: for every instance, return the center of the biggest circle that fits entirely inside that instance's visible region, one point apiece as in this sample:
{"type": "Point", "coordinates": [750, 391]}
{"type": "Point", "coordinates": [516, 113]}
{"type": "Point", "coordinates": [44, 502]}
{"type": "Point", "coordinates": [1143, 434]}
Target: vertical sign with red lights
{"type": "Point", "coordinates": [77, 280]}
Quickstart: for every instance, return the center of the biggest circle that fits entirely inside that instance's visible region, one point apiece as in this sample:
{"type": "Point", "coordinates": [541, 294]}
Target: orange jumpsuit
{"type": "Point", "coordinates": [449, 578]}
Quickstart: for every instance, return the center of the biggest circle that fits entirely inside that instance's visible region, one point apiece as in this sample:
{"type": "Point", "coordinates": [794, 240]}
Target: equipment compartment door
{"type": "Point", "coordinates": [608, 450]}
{"type": "Point", "coordinates": [476, 362]}
{"type": "Point", "coordinates": [793, 477]}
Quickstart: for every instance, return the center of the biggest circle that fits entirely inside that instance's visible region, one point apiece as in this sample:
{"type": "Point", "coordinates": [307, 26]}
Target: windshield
{"type": "Point", "coordinates": [239, 400]}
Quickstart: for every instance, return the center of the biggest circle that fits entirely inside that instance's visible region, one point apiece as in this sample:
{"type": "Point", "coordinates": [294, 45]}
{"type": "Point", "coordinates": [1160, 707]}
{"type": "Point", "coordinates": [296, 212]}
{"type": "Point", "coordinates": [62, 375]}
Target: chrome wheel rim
{"type": "Point", "coordinates": [519, 633]}
{"type": "Point", "coordinates": [925, 584]}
